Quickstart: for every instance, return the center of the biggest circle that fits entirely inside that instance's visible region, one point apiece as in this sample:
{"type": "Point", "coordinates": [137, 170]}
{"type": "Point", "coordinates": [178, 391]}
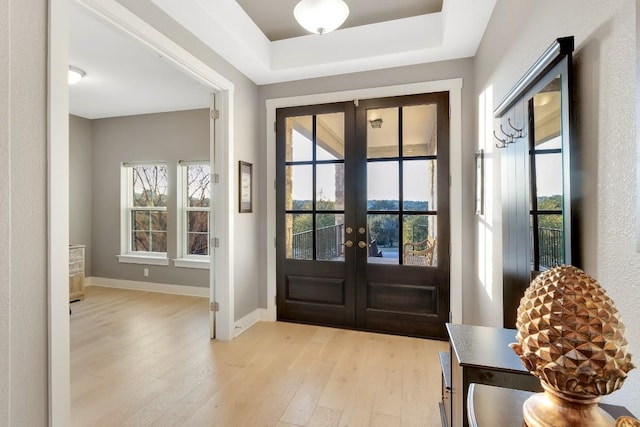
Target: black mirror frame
{"type": "Point", "coordinates": [555, 61]}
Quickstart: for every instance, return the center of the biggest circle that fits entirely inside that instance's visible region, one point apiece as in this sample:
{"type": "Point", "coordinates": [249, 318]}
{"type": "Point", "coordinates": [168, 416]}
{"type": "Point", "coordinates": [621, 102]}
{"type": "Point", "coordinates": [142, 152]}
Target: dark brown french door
{"type": "Point", "coordinates": [363, 214]}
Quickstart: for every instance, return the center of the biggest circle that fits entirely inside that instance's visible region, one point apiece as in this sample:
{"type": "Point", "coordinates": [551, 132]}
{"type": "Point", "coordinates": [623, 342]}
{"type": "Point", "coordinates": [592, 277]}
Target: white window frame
{"type": "Point", "coordinates": [127, 255]}
{"type": "Point", "coordinates": [189, 260]}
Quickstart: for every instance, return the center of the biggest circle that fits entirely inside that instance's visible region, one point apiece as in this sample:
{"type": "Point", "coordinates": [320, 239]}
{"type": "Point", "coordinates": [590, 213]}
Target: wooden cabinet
{"type": "Point", "coordinates": [76, 272]}
{"type": "Point", "coordinates": [481, 355]}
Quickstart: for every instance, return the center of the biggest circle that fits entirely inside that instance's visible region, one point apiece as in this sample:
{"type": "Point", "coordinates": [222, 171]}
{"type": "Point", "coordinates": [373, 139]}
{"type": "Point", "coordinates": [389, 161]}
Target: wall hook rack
{"type": "Point", "coordinates": [503, 142]}
{"type": "Point", "coordinates": [509, 138]}
{"type": "Point", "coordinates": [519, 132]}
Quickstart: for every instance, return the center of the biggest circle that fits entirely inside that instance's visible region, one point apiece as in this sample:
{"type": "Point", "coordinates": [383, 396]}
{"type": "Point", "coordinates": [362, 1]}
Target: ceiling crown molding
{"type": "Point", "coordinates": [453, 33]}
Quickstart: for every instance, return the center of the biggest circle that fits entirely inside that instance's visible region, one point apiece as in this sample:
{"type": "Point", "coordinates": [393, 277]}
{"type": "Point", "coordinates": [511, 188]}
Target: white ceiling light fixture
{"type": "Point", "coordinates": [321, 16]}
{"type": "Point", "coordinates": [75, 75]}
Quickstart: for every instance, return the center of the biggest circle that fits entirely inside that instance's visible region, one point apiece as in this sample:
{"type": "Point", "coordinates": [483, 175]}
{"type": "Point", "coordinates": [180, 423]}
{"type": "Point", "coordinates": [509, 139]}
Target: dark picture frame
{"type": "Point", "coordinates": [479, 193]}
{"type": "Point", "coordinates": [245, 187]}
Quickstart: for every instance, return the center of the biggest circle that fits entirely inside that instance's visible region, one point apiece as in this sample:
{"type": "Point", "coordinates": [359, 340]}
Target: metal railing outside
{"type": "Point", "coordinates": [551, 247]}
{"type": "Point", "coordinates": [328, 243]}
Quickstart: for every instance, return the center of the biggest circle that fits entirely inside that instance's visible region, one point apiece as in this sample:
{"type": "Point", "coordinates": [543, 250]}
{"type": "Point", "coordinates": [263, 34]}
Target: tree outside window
{"type": "Point", "coordinates": [196, 202]}
{"type": "Point", "coordinates": [148, 208]}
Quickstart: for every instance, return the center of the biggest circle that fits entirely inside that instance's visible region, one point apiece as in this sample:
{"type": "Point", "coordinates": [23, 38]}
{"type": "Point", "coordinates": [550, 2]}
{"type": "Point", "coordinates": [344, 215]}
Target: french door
{"type": "Point", "coordinates": [363, 214]}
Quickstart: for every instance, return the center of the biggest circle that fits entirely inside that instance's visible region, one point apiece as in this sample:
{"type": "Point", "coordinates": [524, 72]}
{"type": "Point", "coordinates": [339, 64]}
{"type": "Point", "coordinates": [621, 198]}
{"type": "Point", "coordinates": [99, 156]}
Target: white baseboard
{"type": "Point", "coordinates": [257, 315]}
{"type": "Point", "coordinates": [134, 285]}
{"type": "Point", "coordinates": [247, 321]}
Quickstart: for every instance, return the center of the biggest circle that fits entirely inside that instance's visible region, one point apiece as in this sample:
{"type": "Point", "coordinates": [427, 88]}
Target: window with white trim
{"type": "Point", "coordinates": [144, 199]}
{"type": "Point", "coordinates": [194, 201]}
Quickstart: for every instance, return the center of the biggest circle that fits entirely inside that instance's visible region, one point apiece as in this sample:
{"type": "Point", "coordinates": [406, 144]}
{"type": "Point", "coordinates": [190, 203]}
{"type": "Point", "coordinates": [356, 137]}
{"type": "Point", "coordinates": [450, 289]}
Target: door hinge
{"type": "Point", "coordinates": [214, 306]}
{"type": "Point", "coordinates": [356, 102]}
{"type": "Point", "coordinates": [275, 300]}
{"type": "Point", "coordinates": [275, 245]}
{"type": "Point", "coordinates": [216, 178]}
{"type": "Point", "coordinates": [214, 114]}
{"type": "Point", "coordinates": [216, 242]}
{"type": "Point", "coordinates": [274, 126]}
{"type": "Point", "coordinates": [449, 111]}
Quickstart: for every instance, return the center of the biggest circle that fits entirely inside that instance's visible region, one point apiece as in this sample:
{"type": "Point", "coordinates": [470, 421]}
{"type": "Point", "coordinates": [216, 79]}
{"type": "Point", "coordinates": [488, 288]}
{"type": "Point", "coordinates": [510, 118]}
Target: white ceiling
{"type": "Point", "coordinates": [124, 78]}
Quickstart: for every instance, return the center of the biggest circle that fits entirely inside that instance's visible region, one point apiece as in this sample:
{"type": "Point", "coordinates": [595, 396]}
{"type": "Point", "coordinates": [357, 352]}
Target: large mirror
{"type": "Point", "coordinates": [539, 192]}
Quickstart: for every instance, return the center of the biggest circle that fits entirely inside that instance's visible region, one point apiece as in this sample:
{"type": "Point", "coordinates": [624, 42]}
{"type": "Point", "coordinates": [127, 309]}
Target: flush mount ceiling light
{"type": "Point", "coordinates": [321, 16]}
{"type": "Point", "coordinates": [75, 75]}
{"type": "Point", "coordinates": [375, 123]}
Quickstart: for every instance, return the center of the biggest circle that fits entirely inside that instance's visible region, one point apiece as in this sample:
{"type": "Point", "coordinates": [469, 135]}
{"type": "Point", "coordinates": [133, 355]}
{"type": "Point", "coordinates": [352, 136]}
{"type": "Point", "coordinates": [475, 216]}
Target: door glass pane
{"type": "Point", "coordinates": [330, 186]}
{"type": "Point", "coordinates": [198, 221]}
{"type": "Point", "coordinates": [419, 234]}
{"type": "Point", "coordinates": [550, 241]}
{"type": "Point", "coordinates": [382, 133]}
{"type": "Point", "coordinates": [299, 131]}
{"type": "Point", "coordinates": [419, 185]}
{"type": "Point", "coordinates": [299, 191]}
{"type": "Point", "coordinates": [383, 186]}
{"type": "Point", "coordinates": [330, 136]}
{"type": "Point", "coordinates": [330, 237]}
{"type": "Point", "coordinates": [419, 130]}
{"type": "Point", "coordinates": [299, 236]}
{"type": "Point", "coordinates": [549, 181]}
{"type": "Point", "coordinates": [383, 237]}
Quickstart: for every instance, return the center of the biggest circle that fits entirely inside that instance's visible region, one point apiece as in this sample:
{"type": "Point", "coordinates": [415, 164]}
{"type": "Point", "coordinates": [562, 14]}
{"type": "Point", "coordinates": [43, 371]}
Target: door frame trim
{"type": "Point", "coordinates": [454, 87]}
{"type": "Point", "coordinates": [58, 181]}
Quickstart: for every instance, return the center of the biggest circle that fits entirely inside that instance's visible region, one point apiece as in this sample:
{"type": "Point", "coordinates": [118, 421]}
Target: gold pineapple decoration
{"type": "Point", "coordinates": [571, 337]}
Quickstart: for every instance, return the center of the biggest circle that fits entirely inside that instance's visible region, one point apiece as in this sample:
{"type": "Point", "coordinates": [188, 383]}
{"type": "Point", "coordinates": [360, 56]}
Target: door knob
{"type": "Point", "coordinates": [362, 244]}
{"type": "Point", "coordinates": [348, 243]}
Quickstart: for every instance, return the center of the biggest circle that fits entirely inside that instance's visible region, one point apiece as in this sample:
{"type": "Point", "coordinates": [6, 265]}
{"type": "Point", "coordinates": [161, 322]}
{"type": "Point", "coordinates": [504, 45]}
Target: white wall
{"type": "Point", "coordinates": [23, 214]}
{"type": "Point", "coordinates": [166, 137]}
{"type": "Point", "coordinates": [605, 73]}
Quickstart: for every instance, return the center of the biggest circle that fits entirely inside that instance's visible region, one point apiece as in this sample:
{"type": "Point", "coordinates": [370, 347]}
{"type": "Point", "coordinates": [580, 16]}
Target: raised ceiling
{"type": "Point", "coordinates": [277, 21]}
{"type": "Point", "coordinates": [231, 29]}
{"type": "Point", "coordinates": [264, 43]}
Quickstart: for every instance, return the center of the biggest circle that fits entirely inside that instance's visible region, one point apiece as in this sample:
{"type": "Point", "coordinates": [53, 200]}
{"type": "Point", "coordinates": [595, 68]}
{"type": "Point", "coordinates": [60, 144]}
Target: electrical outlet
{"type": "Point", "coordinates": [146, 272]}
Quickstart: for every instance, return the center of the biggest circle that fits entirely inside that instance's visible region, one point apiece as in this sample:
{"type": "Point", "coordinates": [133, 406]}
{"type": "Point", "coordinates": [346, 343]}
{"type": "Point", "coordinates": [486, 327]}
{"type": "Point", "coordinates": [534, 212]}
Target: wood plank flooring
{"type": "Point", "coordinates": [145, 359]}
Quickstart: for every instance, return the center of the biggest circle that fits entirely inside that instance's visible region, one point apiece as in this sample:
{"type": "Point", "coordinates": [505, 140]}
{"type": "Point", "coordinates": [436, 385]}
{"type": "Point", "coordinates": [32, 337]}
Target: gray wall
{"type": "Point", "coordinates": [389, 77]}
{"type": "Point", "coordinates": [80, 179]}
{"type": "Point", "coordinates": [246, 276]}
{"type": "Point", "coordinates": [166, 137]}
{"type": "Point", "coordinates": [605, 73]}
{"type": "Point", "coordinates": [23, 213]}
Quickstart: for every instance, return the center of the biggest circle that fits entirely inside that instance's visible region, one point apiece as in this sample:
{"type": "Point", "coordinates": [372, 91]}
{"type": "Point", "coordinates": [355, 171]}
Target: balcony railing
{"type": "Point", "coordinates": [551, 247]}
{"type": "Point", "coordinates": [328, 243]}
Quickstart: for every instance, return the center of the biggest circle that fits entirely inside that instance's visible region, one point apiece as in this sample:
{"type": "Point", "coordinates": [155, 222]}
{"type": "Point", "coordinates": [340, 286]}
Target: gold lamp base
{"type": "Point", "coordinates": [554, 409]}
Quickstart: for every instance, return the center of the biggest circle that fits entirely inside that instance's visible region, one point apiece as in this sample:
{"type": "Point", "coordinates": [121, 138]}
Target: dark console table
{"type": "Point", "coordinates": [495, 406]}
{"type": "Point", "coordinates": [481, 355]}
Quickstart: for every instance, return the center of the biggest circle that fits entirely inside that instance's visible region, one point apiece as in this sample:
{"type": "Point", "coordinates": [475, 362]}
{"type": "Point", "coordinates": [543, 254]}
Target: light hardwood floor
{"type": "Point", "coordinates": [145, 359]}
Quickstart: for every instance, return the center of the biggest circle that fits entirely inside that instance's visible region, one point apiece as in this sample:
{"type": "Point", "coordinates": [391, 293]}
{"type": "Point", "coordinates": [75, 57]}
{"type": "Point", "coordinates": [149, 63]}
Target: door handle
{"type": "Point", "coordinates": [348, 243]}
{"type": "Point", "coordinates": [362, 244]}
